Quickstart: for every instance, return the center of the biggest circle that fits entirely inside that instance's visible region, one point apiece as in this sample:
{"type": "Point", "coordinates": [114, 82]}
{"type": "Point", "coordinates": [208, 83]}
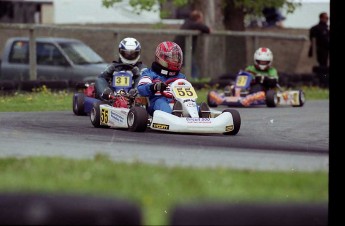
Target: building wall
{"type": "Point", "coordinates": [47, 13]}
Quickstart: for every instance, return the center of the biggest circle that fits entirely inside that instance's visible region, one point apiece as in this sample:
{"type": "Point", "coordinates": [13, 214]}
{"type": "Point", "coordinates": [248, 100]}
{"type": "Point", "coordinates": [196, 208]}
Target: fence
{"type": "Point", "coordinates": [218, 53]}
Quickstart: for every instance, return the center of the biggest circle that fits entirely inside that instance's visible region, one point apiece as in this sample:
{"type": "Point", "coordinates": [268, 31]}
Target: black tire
{"type": "Point", "coordinates": [95, 115]}
{"type": "Point", "coordinates": [137, 119]}
{"type": "Point", "coordinates": [237, 121]}
{"type": "Point", "coordinates": [301, 99]}
{"type": "Point", "coordinates": [209, 102]}
{"type": "Point", "coordinates": [271, 98]}
{"type": "Point", "coordinates": [78, 104]}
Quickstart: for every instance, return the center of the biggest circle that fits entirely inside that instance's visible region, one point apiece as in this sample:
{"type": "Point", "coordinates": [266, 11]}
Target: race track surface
{"type": "Point", "coordinates": [282, 138]}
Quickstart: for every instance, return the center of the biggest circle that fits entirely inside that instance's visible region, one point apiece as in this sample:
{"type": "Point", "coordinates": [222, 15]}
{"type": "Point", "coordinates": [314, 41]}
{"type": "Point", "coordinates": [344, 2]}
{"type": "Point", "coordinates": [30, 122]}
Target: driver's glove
{"type": "Point", "coordinates": [107, 94]}
{"type": "Point", "coordinates": [133, 92]}
{"type": "Point", "coordinates": [259, 79]}
{"type": "Point", "coordinates": [270, 82]}
{"type": "Point", "coordinates": [159, 86]}
{"type": "Point", "coordinates": [136, 71]}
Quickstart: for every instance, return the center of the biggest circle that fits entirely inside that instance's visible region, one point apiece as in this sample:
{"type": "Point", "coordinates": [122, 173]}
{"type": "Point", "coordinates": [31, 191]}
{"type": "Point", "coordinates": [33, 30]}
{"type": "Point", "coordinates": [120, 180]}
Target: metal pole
{"type": "Point", "coordinates": [116, 46]}
{"type": "Point", "coordinates": [32, 54]}
{"type": "Point", "coordinates": [188, 55]}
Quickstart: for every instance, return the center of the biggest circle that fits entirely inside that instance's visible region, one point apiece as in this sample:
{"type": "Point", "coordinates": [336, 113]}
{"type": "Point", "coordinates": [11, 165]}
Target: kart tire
{"type": "Point", "coordinates": [209, 102]}
{"type": "Point", "coordinates": [137, 119]}
{"type": "Point", "coordinates": [78, 104]}
{"type": "Point", "coordinates": [301, 99]}
{"type": "Point", "coordinates": [271, 98]}
{"type": "Point", "coordinates": [95, 115]}
{"type": "Point", "coordinates": [237, 121]}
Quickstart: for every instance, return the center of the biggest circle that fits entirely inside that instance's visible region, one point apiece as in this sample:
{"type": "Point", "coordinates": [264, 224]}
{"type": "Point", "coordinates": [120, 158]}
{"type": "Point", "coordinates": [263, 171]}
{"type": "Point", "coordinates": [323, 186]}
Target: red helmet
{"type": "Point", "coordinates": [169, 55]}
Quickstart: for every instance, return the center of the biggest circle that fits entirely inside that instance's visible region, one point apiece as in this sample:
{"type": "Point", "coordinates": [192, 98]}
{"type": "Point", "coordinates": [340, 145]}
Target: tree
{"type": "Point", "coordinates": [220, 14]}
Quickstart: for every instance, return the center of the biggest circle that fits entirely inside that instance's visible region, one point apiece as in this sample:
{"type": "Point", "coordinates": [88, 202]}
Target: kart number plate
{"type": "Point", "coordinates": [241, 81]}
{"type": "Point", "coordinates": [122, 81]}
{"type": "Point", "coordinates": [185, 92]}
{"type": "Point", "coordinates": [104, 116]}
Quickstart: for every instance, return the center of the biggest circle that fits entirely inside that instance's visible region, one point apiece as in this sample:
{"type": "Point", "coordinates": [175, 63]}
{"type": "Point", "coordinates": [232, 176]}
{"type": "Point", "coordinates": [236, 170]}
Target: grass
{"type": "Point", "coordinates": [156, 189]}
{"type": "Point", "coordinates": [45, 100]}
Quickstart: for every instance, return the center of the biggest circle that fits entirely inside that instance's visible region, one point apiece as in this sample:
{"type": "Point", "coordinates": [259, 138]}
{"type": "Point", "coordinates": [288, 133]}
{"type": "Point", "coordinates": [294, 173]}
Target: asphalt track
{"type": "Point", "coordinates": [282, 138]}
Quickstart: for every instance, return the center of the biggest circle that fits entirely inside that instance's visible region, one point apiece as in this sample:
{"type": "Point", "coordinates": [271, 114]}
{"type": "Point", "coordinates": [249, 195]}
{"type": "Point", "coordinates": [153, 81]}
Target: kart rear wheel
{"type": "Point", "coordinates": [210, 103]}
{"type": "Point", "coordinates": [137, 119]}
{"type": "Point", "coordinates": [78, 104]}
{"type": "Point", "coordinates": [95, 115]}
{"type": "Point", "coordinates": [301, 99]}
{"type": "Point", "coordinates": [237, 121]}
{"type": "Point", "coordinates": [271, 98]}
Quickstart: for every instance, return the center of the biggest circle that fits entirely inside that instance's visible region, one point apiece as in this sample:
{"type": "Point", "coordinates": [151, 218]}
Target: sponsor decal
{"type": "Point", "coordinates": [160, 126]}
{"type": "Point", "coordinates": [198, 120]}
{"type": "Point", "coordinates": [229, 128]}
{"type": "Point", "coordinates": [188, 100]}
{"type": "Point", "coordinates": [285, 96]}
{"type": "Point", "coordinates": [116, 116]}
{"type": "Point", "coordinates": [190, 104]}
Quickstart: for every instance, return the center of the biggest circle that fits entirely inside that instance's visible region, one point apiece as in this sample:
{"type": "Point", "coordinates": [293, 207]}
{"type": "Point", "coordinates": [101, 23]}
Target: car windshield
{"type": "Point", "coordinates": [80, 53]}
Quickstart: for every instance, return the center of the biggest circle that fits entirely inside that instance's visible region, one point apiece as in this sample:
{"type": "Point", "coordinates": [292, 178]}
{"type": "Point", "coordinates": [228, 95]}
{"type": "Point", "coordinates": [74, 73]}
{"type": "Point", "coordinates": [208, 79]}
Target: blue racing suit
{"type": "Point", "coordinates": [157, 100]}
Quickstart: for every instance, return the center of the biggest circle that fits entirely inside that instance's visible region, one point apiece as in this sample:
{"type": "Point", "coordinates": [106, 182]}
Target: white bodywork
{"type": "Point", "coordinates": [190, 122]}
{"type": "Point", "coordinates": [113, 117]}
{"type": "Point", "coordinates": [167, 122]}
{"type": "Point", "coordinates": [291, 97]}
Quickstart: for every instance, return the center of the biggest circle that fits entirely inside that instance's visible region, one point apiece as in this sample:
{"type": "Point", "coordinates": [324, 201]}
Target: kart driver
{"type": "Point", "coordinates": [129, 54]}
{"type": "Point", "coordinates": [265, 76]}
{"type": "Point", "coordinates": [167, 65]}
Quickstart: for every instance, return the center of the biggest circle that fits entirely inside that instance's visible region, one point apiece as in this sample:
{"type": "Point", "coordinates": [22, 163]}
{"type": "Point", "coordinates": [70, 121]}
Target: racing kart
{"type": "Point", "coordinates": [126, 109]}
{"type": "Point", "coordinates": [239, 95]}
{"type": "Point", "coordinates": [83, 101]}
{"type": "Point", "coordinates": [192, 119]}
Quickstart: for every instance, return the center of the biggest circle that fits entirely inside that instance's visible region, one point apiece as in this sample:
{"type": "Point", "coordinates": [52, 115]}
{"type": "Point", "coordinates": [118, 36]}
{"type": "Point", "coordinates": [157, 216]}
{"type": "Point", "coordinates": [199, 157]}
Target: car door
{"type": "Point", "coordinates": [51, 63]}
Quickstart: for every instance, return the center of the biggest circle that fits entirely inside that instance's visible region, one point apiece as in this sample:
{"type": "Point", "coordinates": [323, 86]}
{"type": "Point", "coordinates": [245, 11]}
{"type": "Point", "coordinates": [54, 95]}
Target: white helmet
{"type": "Point", "coordinates": [129, 49]}
{"type": "Point", "coordinates": [263, 58]}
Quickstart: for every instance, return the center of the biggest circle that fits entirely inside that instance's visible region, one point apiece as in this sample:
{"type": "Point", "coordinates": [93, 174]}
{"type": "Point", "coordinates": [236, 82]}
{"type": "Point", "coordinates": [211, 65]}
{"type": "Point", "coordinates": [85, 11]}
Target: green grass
{"type": "Point", "coordinates": [45, 100]}
{"type": "Point", "coordinates": [157, 189]}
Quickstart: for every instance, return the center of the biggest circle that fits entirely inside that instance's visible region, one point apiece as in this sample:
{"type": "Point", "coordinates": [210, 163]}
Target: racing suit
{"type": "Point", "coordinates": [261, 82]}
{"type": "Point", "coordinates": [152, 75]}
{"type": "Point", "coordinates": [265, 79]}
{"type": "Point", "coordinates": [103, 82]}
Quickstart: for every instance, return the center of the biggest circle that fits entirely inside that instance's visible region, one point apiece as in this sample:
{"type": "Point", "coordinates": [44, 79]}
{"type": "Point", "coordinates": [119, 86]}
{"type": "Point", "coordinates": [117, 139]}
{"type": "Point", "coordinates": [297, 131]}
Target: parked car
{"type": "Point", "coordinates": [57, 59]}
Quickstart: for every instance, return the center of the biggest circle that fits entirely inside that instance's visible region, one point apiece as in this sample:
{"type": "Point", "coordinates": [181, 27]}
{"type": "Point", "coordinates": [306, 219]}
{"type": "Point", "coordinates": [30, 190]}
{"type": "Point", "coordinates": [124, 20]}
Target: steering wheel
{"type": "Point", "coordinates": [168, 94]}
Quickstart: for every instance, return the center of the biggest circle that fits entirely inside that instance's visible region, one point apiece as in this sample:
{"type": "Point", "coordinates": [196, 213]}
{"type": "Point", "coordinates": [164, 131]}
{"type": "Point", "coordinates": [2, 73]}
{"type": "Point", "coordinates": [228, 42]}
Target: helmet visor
{"type": "Point", "coordinates": [129, 54]}
{"type": "Point", "coordinates": [262, 62]}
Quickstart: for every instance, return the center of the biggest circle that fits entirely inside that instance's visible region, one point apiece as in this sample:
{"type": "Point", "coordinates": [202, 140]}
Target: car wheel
{"type": "Point", "coordinates": [271, 98]}
{"type": "Point", "coordinates": [78, 104]}
{"type": "Point", "coordinates": [236, 119]}
{"type": "Point", "coordinates": [95, 115]}
{"type": "Point", "coordinates": [137, 119]}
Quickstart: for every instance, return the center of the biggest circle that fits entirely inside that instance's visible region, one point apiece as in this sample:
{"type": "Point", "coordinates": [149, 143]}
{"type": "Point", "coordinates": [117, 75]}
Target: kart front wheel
{"type": "Point", "coordinates": [236, 119]}
{"type": "Point", "coordinates": [271, 98]}
{"type": "Point", "coordinates": [95, 115]}
{"type": "Point", "coordinates": [78, 104]}
{"type": "Point", "coordinates": [301, 97]}
{"type": "Point", "coordinates": [137, 119]}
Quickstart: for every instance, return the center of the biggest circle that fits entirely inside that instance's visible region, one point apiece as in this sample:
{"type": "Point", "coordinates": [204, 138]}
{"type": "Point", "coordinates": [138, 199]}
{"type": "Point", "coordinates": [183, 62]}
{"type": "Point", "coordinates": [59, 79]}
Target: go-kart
{"type": "Point", "coordinates": [192, 119]}
{"type": "Point", "coordinates": [125, 108]}
{"type": "Point", "coordinates": [83, 101]}
{"type": "Point", "coordinates": [239, 95]}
